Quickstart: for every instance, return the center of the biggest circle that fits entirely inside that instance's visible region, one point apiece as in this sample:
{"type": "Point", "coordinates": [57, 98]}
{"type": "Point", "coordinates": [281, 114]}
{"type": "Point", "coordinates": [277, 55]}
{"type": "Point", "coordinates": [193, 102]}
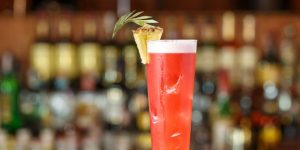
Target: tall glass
{"type": "Point", "coordinates": [170, 76]}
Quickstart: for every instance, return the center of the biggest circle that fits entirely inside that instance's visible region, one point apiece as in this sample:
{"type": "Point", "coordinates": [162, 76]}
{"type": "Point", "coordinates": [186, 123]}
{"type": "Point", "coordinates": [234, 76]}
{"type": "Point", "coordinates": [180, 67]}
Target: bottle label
{"type": "Point", "coordinates": [114, 112]}
{"type": "Point", "coordinates": [65, 56]}
{"type": "Point", "coordinates": [247, 58]}
{"type": "Point", "coordinates": [5, 109]}
{"type": "Point", "coordinates": [268, 72]}
{"type": "Point", "coordinates": [247, 78]}
{"type": "Point", "coordinates": [62, 108]}
{"type": "Point", "coordinates": [221, 129]}
{"type": "Point", "coordinates": [27, 103]}
{"type": "Point", "coordinates": [86, 110]}
{"type": "Point", "coordinates": [143, 121]}
{"type": "Point", "coordinates": [227, 59]}
{"type": "Point", "coordinates": [90, 58]}
{"type": "Point", "coordinates": [111, 74]}
{"type": "Point", "coordinates": [206, 59]}
{"type": "Point", "coordinates": [130, 58]}
{"type": "Point", "coordinates": [41, 60]}
{"type": "Point", "coordinates": [288, 54]}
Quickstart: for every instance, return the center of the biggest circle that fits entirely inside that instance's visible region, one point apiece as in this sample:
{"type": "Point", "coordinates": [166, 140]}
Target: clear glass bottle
{"type": "Point", "coordinates": [247, 56]}
{"type": "Point", "coordinates": [41, 53]}
{"type": "Point", "coordinates": [65, 56]}
{"type": "Point", "coordinates": [89, 51]}
{"type": "Point", "coordinates": [227, 54]}
{"type": "Point", "coordinates": [62, 105]}
{"type": "Point", "coordinates": [34, 104]}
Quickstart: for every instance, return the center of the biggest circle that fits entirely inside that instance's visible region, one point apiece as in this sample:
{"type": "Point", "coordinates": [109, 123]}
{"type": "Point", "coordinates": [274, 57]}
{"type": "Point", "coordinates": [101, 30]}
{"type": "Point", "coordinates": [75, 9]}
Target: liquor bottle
{"type": "Point", "coordinates": [136, 108]}
{"type": "Point", "coordinates": [34, 104]}
{"type": "Point", "coordinates": [228, 81]}
{"type": "Point", "coordinates": [90, 67]}
{"type": "Point", "coordinates": [41, 54]}
{"type": "Point", "coordinates": [140, 125]}
{"type": "Point", "coordinates": [87, 113]}
{"type": "Point", "coordinates": [247, 59]}
{"type": "Point", "coordinates": [131, 81]}
{"type": "Point", "coordinates": [112, 80]}
{"type": "Point", "coordinates": [134, 71]}
{"type": "Point", "coordinates": [207, 56]}
{"type": "Point", "coordinates": [286, 105]}
{"type": "Point", "coordinates": [62, 105]}
{"type": "Point", "coordinates": [206, 65]}
{"type": "Point", "coordinates": [10, 118]}
{"type": "Point", "coordinates": [89, 51]}
{"type": "Point", "coordinates": [288, 54]}
{"type": "Point", "coordinates": [247, 56]}
{"type": "Point", "coordinates": [227, 54]}
{"type": "Point", "coordinates": [207, 59]}
{"type": "Point", "coordinates": [142, 121]}
{"type": "Point", "coordinates": [268, 71]}
{"type": "Point", "coordinates": [221, 113]}
{"type": "Point", "coordinates": [244, 133]}
{"type": "Point", "coordinates": [268, 74]}
{"type": "Point", "coordinates": [116, 120]}
{"type": "Point", "coordinates": [111, 54]}
{"type": "Point", "coordinates": [65, 56]}
{"type": "Point", "coordinates": [112, 74]}
{"type": "Point", "coordinates": [130, 56]}
{"type": "Point", "coordinates": [296, 93]}
{"type": "Point", "coordinates": [201, 129]}
{"type": "Point", "coordinates": [114, 113]}
{"type": "Point", "coordinates": [246, 127]}
{"type": "Point", "coordinates": [288, 109]}
{"type": "Point", "coordinates": [34, 99]}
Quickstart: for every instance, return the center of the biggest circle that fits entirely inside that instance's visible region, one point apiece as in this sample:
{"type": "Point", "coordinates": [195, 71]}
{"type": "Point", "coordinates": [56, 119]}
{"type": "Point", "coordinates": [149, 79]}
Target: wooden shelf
{"type": "Point", "coordinates": [18, 33]}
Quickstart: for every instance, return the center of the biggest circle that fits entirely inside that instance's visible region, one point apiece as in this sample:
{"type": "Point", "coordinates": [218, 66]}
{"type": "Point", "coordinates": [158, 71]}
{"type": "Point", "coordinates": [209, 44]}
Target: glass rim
{"type": "Point", "coordinates": [174, 40]}
{"type": "Point", "coordinates": [172, 46]}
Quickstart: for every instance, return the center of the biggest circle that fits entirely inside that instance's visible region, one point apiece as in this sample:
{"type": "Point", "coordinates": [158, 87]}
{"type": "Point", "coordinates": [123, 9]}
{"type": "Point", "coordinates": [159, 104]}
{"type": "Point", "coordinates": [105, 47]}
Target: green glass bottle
{"type": "Point", "coordinates": [10, 118]}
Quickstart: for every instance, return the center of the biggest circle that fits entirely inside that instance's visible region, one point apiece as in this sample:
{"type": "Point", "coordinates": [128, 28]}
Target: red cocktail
{"type": "Point", "coordinates": [170, 76]}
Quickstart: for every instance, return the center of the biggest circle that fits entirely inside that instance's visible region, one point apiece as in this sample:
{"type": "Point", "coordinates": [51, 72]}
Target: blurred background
{"type": "Point", "coordinates": [66, 84]}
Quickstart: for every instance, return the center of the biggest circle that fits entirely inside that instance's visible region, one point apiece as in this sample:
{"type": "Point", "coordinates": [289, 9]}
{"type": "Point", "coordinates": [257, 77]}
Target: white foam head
{"type": "Point", "coordinates": [172, 46]}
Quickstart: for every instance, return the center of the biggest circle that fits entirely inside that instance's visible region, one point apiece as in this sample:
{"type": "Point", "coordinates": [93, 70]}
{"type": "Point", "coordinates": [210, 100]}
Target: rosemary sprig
{"type": "Point", "coordinates": [132, 17]}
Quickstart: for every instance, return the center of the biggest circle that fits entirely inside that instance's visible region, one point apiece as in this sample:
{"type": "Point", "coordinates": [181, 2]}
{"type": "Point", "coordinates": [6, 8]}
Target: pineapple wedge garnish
{"type": "Point", "coordinates": [141, 35]}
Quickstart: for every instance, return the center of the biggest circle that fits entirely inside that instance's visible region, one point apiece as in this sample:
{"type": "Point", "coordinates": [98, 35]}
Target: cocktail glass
{"type": "Point", "coordinates": [170, 77]}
